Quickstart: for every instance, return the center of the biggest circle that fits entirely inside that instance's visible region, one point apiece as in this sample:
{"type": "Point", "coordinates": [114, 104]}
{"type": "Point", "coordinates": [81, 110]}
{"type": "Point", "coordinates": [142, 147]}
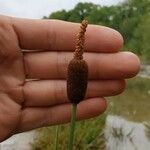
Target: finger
{"type": "Point", "coordinates": [35, 117]}
{"type": "Point", "coordinates": [61, 35]}
{"type": "Point", "coordinates": [53, 92]}
{"type": "Point", "coordinates": [53, 65]}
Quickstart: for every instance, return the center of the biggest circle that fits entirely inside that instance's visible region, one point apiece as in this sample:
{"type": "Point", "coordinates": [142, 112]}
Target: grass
{"type": "Point", "coordinates": [133, 104]}
{"type": "Point", "coordinates": [88, 134]}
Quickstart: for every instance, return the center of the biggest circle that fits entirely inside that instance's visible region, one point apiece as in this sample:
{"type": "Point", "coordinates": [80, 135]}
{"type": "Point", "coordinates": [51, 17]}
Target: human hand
{"type": "Point", "coordinates": [40, 50]}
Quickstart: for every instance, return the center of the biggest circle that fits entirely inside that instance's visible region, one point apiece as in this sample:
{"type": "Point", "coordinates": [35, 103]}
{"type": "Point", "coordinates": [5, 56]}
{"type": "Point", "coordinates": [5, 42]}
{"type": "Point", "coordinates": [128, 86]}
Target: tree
{"type": "Point", "coordinates": [131, 18]}
{"type": "Point", "coordinates": [62, 15]}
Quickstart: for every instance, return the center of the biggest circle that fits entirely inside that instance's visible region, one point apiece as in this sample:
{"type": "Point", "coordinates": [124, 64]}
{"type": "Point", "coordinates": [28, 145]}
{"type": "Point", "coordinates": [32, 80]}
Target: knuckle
{"type": "Point", "coordinates": [52, 38]}
{"type": "Point", "coordinates": [26, 65]}
{"type": "Point", "coordinates": [62, 63]}
{"type": "Point", "coordinates": [120, 86]}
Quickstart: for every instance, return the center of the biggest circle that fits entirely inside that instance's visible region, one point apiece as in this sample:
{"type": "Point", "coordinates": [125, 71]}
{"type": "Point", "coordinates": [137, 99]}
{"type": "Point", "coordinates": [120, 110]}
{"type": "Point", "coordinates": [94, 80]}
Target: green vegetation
{"type": "Point", "coordinates": [131, 19]}
{"type": "Point", "coordinates": [133, 104]}
{"type": "Point", "coordinates": [90, 136]}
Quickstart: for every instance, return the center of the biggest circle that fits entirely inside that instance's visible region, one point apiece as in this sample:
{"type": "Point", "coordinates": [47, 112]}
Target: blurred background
{"type": "Point", "coordinates": [126, 123]}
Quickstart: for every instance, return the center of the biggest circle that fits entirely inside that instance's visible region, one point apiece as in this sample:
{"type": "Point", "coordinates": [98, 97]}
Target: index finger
{"type": "Point", "coordinates": [61, 35]}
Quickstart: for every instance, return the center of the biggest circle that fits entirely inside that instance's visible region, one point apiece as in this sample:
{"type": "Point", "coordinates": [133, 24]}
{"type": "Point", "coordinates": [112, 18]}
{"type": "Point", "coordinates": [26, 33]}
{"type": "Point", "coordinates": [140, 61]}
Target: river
{"type": "Point", "coordinates": [125, 135]}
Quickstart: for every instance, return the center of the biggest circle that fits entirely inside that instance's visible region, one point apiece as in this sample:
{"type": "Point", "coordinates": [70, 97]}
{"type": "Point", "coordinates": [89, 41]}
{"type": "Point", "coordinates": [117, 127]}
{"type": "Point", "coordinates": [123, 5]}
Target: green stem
{"type": "Point", "coordinates": [56, 137]}
{"type": "Point", "coordinates": [72, 127]}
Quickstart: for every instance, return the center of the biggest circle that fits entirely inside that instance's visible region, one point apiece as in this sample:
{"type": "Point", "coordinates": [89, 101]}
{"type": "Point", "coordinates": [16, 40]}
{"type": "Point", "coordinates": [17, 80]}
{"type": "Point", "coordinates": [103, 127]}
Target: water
{"type": "Point", "coordinates": [125, 135]}
{"type": "Point", "coordinates": [20, 141]}
{"type": "Point", "coordinates": [145, 71]}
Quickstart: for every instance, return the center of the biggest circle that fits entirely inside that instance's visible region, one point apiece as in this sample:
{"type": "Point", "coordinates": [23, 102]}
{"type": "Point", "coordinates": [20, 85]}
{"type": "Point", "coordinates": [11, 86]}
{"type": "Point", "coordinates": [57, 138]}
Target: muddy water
{"type": "Point", "coordinates": [125, 135]}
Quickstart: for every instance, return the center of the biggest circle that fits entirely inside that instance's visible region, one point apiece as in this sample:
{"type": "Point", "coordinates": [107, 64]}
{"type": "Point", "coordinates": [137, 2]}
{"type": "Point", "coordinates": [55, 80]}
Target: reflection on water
{"type": "Point", "coordinates": [125, 135]}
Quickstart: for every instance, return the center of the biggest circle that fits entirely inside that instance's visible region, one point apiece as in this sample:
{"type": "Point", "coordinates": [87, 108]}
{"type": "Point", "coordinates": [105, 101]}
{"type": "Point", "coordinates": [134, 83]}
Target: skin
{"type": "Point", "coordinates": [34, 55]}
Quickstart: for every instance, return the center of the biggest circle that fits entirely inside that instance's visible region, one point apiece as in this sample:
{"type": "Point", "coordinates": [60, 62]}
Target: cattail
{"type": "Point", "coordinates": [77, 76]}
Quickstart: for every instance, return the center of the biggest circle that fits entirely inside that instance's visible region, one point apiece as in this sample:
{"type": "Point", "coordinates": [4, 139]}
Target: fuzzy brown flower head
{"type": "Point", "coordinates": [77, 75]}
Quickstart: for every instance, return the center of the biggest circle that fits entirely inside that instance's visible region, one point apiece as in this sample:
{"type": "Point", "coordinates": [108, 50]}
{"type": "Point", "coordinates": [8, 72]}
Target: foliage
{"type": "Point", "coordinates": [133, 104]}
{"type": "Point", "coordinates": [131, 19]}
{"type": "Point", "coordinates": [89, 133]}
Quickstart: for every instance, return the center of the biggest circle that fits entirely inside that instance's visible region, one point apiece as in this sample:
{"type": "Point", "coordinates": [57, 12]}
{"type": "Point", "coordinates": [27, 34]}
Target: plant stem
{"type": "Point", "coordinates": [56, 137]}
{"type": "Point", "coordinates": [72, 126]}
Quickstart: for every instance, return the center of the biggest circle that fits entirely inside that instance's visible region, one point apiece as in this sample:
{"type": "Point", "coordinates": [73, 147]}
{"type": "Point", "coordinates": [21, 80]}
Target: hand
{"type": "Point", "coordinates": [34, 55]}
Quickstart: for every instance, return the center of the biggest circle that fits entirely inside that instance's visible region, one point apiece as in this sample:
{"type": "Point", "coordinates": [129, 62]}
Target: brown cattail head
{"type": "Point", "coordinates": [77, 76]}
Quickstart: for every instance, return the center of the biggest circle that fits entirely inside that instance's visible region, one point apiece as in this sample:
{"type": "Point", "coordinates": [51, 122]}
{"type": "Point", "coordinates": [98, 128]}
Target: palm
{"type": "Point", "coordinates": [12, 79]}
{"type": "Point", "coordinates": [28, 104]}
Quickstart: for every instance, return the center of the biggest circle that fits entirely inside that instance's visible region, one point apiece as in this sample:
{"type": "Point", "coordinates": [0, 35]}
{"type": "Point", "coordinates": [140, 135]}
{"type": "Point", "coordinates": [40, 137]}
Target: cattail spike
{"type": "Point", "coordinates": [80, 40]}
{"type": "Point", "coordinates": [77, 74]}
